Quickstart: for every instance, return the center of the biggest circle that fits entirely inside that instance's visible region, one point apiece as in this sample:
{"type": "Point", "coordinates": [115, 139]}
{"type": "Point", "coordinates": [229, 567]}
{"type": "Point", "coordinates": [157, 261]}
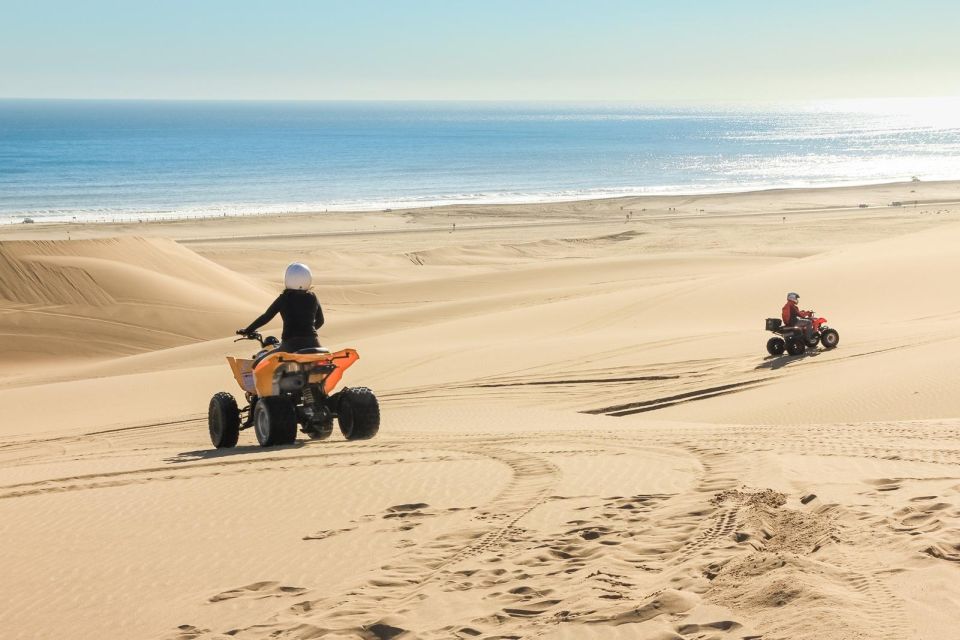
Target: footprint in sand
{"type": "Point", "coordinates": [404, 515]}
{"type": "Point", "coordinates": [408, 516]}
{"type": "Point", "coordinates": [257, 591]}
{"type": "Point", "coordinates": [189, 632]}
{"type": "Point", "coordinates": [948, 552]}
{"type": "Point", "coordinates": [886, 484]}
{"type": "Point", "coordinates": [328, 533]}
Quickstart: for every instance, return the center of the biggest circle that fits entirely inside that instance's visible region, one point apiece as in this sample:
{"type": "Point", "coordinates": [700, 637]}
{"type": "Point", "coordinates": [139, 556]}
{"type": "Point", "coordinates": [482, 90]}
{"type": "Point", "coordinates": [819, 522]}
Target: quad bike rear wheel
{"type": "Point", "coordinates": [358, 413]}
{"type": "Point", "coordinates": [775, 346]}
{"type": "Point", "coordinates": [275, 421]}
{"type": "Point", "coordinates": [796, 346]}
{"type": "Point", "coordinates": [223, 418]}
{"type": "Point", "coordinates": [830, 339]}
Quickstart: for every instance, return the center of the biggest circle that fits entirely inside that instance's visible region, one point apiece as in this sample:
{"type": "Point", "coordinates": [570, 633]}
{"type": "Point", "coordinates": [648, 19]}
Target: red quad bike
{"type": "Point", "coordinates": [793, 341]}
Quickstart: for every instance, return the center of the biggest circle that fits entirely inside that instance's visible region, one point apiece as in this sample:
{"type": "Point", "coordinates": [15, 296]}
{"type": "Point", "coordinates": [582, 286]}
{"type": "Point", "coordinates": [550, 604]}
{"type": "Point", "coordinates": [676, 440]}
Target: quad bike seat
{"type": "Point", "coordinates": [309, 351]}
{"type": "Point", "coordinates": [787, 328]}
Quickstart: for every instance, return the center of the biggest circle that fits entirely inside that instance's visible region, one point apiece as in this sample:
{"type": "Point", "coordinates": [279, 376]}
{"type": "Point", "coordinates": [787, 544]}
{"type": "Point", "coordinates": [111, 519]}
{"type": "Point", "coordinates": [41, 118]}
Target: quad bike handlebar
{"type": "Point", "coordinates": [250, 335]}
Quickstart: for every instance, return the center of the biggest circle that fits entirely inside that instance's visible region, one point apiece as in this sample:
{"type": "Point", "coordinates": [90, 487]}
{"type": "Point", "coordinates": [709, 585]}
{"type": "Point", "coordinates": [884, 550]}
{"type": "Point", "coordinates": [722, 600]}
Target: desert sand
{"type": "Point", "coordinates": [582, 433]}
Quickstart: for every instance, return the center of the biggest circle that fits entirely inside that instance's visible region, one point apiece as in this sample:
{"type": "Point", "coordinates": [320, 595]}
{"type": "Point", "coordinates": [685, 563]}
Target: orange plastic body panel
{"type": "Point", "coordinates": [243, 373]}
{"type": "Point", "coordinates": [259, 380]}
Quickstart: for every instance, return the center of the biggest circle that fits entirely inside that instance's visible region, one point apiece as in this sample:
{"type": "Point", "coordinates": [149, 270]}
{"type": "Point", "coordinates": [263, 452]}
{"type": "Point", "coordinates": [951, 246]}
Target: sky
{"type": "Point", "coordinates": [605, 50]}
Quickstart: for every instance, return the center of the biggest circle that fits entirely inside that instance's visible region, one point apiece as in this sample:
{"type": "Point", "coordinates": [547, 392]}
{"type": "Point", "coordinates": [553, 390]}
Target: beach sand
{"type": "Point", "coordinates": [582, 433]}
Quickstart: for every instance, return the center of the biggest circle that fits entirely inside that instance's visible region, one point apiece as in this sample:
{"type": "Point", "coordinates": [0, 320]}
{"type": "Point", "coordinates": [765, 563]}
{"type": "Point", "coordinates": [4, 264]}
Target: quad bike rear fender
{"type": "Point", "coordinates": [329, 368]}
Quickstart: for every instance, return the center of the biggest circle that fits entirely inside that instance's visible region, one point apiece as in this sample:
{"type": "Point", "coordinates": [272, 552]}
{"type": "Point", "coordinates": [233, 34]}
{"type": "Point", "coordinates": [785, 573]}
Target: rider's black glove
{"type": "Point", "coordinates": [242, 332]}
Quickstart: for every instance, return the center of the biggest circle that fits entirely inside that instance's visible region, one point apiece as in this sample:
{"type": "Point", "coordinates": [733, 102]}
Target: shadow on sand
{"type": "Point", "coordinates": [212, 454]}
{"type": "Point", "coordinates": [778, 362]}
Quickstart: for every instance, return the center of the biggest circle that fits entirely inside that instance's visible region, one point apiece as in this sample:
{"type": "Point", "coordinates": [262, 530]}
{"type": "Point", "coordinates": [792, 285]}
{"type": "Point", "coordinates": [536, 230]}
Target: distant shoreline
{"type": "Point", "coordinates": [891, 199]}
{"type": "Point", "coordinates": [440, 205]}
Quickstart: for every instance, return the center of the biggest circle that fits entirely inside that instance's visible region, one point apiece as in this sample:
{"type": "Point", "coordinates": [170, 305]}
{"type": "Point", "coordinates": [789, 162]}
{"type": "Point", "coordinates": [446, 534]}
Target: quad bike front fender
{"type": "Point", "coordinates": [243, 373]}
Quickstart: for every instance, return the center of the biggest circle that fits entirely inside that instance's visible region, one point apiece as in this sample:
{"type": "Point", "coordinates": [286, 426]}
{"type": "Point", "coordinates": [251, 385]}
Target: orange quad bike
{"type": "Point", "coordinates": [284, 389]}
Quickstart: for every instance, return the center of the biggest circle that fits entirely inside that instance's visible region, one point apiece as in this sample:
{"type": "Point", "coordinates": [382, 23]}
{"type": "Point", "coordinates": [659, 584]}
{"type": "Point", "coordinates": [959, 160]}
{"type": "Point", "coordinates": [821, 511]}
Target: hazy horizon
{"type": "Point", "coordinates": [551, 101]}
{"type": "Point", "coordinates": [560, 51]}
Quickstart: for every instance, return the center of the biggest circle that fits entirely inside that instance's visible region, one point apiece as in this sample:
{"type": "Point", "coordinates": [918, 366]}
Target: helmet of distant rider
{"type": "Point", "coordinates": [297, 276]}
{"type": "Point", "coordinates": [793, 297]}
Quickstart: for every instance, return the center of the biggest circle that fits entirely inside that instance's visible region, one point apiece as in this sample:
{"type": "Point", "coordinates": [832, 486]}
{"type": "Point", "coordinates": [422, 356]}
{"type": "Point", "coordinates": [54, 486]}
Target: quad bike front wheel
{"type": "Point", "coordinates": [320, 429]}
{"type": "Point", "coordinates": [223, 419]}
{"type": "Point", "coordinates": [275, 421]}
{"type": "Point", "coordinates": [775, 346]}
{"type": "Point", "coordinates": [358, 413]}
{"type": "Point", "coordinates": [796, 346]}
{"type": "Point", "coordinates": [830, 339]}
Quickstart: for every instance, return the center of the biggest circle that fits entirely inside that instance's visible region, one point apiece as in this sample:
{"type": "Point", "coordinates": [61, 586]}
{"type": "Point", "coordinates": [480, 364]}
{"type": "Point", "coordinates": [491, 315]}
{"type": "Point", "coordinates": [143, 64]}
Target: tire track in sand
{"type": "Point", "coordinates": [325, 456]}
{"type": "Point", "coordinates": [399, 585]}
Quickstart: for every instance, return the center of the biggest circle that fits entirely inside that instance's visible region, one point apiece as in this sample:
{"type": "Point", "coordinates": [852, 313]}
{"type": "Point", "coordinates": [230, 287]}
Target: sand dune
{"type": "Point", "coordinates": [110, 297]}
{"type": "Point", "coordinates": [583, 436]}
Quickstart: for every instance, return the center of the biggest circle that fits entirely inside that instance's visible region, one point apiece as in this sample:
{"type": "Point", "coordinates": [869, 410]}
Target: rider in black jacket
{"type": "Point", "coordinates": [299, 308]}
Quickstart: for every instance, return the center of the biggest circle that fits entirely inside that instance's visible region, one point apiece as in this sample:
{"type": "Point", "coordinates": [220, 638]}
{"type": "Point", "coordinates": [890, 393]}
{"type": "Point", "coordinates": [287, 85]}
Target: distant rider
{"type": "Point", "coordinates": [299, 308]}
{"type": "Point", "coordinates": [793, 316]}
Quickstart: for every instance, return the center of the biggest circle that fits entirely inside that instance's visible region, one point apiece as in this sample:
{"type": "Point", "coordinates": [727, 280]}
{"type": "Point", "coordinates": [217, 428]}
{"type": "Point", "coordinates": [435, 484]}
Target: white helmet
{"type": "Point", "coordinates": [794, 297]}
{"type": "Point", "coordinates": [297, 276]}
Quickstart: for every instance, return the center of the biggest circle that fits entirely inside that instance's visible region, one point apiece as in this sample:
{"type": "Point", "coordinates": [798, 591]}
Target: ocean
{"type": "Point", "coordinates": [113, 160]}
